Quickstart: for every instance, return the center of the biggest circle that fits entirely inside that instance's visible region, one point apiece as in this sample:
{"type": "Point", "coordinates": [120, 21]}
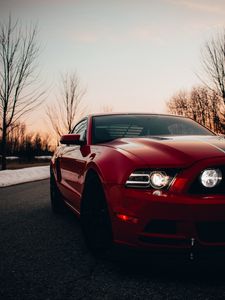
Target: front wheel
{"type": "Point", "coordinates": [95, 218]}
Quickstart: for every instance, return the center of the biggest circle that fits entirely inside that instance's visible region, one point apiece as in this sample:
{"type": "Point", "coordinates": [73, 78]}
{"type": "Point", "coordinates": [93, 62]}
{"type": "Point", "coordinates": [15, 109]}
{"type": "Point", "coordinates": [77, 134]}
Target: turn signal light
{"type": "Point", "coordinates": [127, 218]}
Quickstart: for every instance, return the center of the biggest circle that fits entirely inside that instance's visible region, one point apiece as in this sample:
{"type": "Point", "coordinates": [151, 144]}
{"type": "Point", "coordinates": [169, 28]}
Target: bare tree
{"type": "Point", "coordinates": [18, 53]}
{"type": "Point", "coordinates": [178, 104]}
{"type": "Point", "coordinates": [63, 115]}
{"type": "Point", "coordinates": [201, 104]}
{"type": "Point", "coordinates": [213, 64]}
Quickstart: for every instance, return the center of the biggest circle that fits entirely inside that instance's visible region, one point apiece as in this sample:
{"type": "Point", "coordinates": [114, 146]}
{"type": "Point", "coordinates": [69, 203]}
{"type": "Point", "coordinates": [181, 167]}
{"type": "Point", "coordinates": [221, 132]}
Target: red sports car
{"type": "Point", "coordinates": [143, 180]}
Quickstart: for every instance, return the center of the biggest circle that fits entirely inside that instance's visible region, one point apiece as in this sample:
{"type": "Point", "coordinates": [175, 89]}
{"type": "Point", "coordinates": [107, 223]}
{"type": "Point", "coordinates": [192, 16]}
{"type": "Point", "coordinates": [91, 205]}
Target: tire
{"type": "Point", "coordinates": [57, 204]}
{"type": "Point", "coordinates": [95, 219]}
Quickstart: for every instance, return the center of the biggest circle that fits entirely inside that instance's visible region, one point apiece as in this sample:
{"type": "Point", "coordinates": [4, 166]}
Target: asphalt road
{"type": "Point", "coordinates": [43, 256]}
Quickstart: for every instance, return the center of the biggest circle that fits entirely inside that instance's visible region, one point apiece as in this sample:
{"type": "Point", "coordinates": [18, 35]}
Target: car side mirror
{"type": "Point", "coordinates": [71, 139]}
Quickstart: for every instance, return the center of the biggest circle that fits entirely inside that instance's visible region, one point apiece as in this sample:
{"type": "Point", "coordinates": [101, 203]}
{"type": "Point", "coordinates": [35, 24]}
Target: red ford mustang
{"type": "Point", "coordinates": [143, 180]}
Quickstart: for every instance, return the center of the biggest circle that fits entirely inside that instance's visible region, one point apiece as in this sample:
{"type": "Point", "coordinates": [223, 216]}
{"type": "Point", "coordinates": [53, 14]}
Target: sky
{"type": "Point", "coordinates": [131, 56]}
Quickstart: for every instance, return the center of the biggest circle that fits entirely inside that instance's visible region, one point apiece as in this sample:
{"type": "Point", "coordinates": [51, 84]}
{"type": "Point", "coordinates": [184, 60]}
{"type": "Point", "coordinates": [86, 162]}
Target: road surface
{"type": "Point", "coordinates": [43, 256]}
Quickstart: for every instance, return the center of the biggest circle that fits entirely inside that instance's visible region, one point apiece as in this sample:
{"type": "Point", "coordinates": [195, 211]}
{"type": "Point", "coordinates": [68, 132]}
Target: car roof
{"type": "Point", "coordinates": [133, 113]}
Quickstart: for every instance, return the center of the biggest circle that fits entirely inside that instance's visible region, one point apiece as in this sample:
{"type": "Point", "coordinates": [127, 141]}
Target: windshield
{"type": "Point", "coordinates": [110, 127]}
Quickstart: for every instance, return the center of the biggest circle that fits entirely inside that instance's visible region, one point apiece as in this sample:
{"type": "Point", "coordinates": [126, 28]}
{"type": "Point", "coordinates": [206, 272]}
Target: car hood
{"type": "Point", "coordinates": [172, 151]}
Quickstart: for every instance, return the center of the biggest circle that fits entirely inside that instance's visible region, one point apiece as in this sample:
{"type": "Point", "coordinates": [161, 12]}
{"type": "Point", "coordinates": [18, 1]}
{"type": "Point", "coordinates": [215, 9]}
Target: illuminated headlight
{"type": "Point", "coordinates": [211, 177]}
{"type": "Point", "coordinates": [149, 178]}
{"type": "Point", "coordinates": [159, 179]}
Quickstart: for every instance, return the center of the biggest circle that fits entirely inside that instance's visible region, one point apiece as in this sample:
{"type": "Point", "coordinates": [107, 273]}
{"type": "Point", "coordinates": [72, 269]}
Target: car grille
{"type": "Point", "coordinates": [161, 226]}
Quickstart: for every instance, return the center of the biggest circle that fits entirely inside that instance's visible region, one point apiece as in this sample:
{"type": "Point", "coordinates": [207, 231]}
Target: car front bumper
{"type": "Point", "coordinates": [164, 221]}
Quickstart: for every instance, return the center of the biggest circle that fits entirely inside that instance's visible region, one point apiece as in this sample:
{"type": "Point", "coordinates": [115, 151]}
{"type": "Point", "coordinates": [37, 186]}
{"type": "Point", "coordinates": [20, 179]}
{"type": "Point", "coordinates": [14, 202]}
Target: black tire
{"type": "Point", "coordinates": [57, 204]}
{"type": "Point", "coordinates": [95, 219]}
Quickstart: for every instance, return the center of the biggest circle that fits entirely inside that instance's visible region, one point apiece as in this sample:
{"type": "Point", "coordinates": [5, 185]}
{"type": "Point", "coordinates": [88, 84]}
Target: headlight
{"type": "Point", "coordinates": [159, 179]}
{"type": "Point", "coordinates": [138, 180]}
{"type": "Point", "coordinates": [211, 177]}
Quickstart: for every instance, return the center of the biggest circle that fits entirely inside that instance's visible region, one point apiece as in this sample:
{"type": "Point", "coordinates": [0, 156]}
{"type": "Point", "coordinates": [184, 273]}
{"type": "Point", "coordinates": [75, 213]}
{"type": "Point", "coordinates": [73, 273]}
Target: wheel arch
{"type": "Point", "coordinates": [93, 171]}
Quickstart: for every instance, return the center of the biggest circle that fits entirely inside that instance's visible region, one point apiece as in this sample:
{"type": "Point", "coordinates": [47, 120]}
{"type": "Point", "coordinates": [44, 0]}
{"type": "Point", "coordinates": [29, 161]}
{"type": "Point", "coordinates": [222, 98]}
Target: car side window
{"type": "Point", "coordinates": [81, 129]}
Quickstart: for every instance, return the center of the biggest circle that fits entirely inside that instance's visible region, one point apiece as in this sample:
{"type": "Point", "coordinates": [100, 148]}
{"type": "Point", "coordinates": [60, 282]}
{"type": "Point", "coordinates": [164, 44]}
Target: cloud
{"type": "Point", "coordinates": [146, 34]}
{"type": "Point", "coordinates": [85, 37]}
{"type": "Point", "coordinates": [211, 6]}
{"type": "Point", "coordinates": [143, 34]}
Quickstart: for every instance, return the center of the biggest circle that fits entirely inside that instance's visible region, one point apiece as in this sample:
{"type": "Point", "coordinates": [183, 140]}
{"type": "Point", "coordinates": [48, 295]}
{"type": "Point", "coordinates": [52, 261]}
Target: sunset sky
{"type": "Point", "coordinates": [129, 55]}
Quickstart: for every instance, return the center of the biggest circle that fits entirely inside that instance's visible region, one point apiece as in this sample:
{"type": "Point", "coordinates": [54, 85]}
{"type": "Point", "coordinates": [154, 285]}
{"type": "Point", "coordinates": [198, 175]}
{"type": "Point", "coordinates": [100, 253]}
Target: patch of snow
{"type": "Point", "coordinates": [43, 157]}
{"type": "Point", "coordinates": [11, 177]}
{"type": "Point", "coordinates": [12, 157]}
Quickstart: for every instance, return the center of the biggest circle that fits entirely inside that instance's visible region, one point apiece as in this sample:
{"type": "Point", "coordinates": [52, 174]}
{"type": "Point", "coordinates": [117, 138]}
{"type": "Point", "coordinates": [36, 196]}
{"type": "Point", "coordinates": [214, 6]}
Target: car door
{"type": "Point", "coordinates": [72, 163]}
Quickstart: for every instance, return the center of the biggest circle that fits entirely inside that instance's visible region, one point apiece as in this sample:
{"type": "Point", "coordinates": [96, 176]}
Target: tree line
{"type": "Point", "coordinates": [27, 145]}
{"type": "Point", "coordinates": [202, 105]}
{"type": "Point", "coordinates": [206, 102]}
